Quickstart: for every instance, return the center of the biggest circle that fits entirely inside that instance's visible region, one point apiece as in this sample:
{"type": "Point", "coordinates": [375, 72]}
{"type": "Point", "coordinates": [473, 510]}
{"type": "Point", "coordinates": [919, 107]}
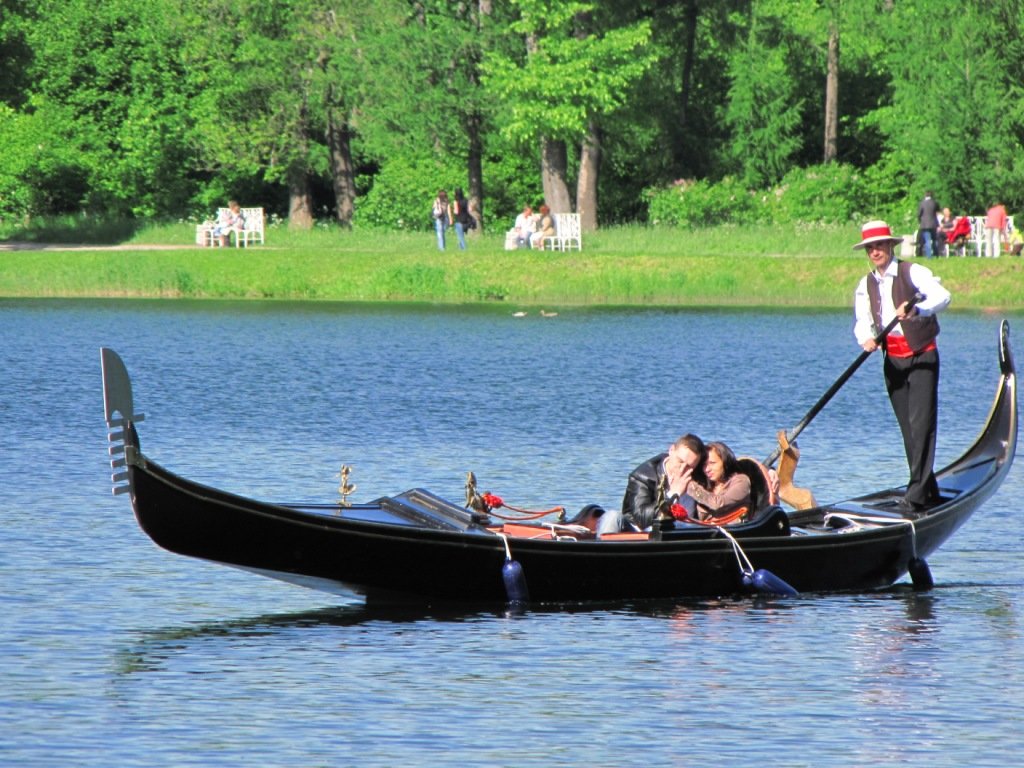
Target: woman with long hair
{"type": "Point", "coordinates": [463, 218]}
{"type": "Point", "coordinates": [727, 488]}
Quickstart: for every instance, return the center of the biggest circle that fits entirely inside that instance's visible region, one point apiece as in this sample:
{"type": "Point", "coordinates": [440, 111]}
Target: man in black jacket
{"type": "Point", "coordinates": [928, 223]}
{"type": "Point", "coordinates": [640, 505]}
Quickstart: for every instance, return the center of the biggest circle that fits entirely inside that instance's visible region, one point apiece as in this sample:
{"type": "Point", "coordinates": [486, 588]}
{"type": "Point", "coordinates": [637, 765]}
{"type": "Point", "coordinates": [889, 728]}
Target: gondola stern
{"type": "Point", "coordinates": [998, 437]}
{"type": "Point", "coordinates": [1006, 363]}
{"type": "Point", "coordinates": [1009, 390]}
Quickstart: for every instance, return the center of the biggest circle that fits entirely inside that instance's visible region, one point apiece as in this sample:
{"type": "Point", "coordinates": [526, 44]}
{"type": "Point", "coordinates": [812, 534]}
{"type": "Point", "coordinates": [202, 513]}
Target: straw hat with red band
{"type": "Point", "coordinates": [876, 232]}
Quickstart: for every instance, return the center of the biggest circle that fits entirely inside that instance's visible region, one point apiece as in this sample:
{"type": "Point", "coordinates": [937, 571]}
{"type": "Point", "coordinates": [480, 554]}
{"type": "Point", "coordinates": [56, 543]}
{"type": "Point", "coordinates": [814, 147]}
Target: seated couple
{"type": "Point", "coordinates": [530, 229]}
{"type": "Point", "coordinates": [695, 481]}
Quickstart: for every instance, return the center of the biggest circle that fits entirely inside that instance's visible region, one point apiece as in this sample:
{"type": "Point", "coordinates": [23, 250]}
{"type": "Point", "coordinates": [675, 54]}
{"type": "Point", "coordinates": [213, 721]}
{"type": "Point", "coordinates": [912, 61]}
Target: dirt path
{"type": "Point", "coordinates": [13, 245]}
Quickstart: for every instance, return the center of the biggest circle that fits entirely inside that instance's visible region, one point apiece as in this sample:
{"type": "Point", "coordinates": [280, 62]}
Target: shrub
{"type": "Point", "coordinates": [512, 181]}
{"type": "Point", "coordinates": [403, 192]}
{"type": "Point", "coordinates": [694, 204]}
{"type": "Point", "coordinates": [821, 194]}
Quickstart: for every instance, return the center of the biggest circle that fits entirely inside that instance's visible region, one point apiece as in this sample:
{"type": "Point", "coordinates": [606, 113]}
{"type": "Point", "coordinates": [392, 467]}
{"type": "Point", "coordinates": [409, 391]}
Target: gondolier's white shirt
{"type": "Point", "coordinates": [936, 298]}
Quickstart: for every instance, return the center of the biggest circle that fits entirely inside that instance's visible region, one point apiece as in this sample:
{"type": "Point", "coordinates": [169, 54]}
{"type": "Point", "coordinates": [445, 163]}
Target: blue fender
{"type": "Point", "coordinates": [515, 582]}
{"type": "Point", "coordinates": [765, 581]}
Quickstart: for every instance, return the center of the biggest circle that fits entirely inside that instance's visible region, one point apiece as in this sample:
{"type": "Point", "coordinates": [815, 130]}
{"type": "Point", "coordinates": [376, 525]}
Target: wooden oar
{"type": "Point", "coordinates": [823, 400]}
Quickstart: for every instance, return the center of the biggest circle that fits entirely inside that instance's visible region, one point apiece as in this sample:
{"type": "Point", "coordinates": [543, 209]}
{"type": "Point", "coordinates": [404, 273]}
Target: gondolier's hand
{"type": "Point", "coordinates": [869, 345]}
{"type": "Point", "coordinates": [903, 312]}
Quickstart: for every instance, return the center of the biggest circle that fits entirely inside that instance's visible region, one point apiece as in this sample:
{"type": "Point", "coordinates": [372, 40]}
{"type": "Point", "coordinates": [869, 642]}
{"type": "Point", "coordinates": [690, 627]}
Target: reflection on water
{"type": "Point", "coordinates": [707, 618]}
{"type": "Point", "coordinates": [113, 652]}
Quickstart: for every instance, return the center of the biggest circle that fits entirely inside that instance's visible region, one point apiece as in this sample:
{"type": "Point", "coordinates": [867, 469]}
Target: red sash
{"type": "Point", "coordinates": [896, 346]}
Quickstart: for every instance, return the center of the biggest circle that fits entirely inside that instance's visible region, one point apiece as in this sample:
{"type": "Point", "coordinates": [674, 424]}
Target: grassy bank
{"type": "Point", "coordinates": [812, 267]}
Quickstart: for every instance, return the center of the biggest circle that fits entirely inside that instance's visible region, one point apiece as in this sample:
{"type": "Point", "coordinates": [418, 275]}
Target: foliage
{"type": "Point", "coordinates": [568, 77]}
{"type": "Point", "coordinates": [512, 183]}
{"type": "Point", "coordinates": [833, 193]}
{"type": "Point", "coordinates": [694, 204]}
{"type": "Point", "coordinates": [403, 193]}
{"type": "Point", "coordinates": [764, 106]}
{"type": "Point", "coordinates": [168, 108]}
{"type": "Point", "coordinates": [949, 124]}
{"type": "Point", "coordinates": [107, 113]}
{"type": "Point", "coordinates": [822, 194]}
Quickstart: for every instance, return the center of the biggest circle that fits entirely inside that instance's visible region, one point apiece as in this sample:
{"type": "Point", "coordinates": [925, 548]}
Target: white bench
{"type": "Point", "coordinates": [567, 233]}
{"type": "Point", "coordinates": [251, 231]}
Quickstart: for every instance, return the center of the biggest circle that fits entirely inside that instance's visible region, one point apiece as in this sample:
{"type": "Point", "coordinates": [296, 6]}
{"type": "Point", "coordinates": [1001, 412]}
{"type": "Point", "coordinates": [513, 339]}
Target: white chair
{"type": "Point", "coordinates": [204, 234]}
{"type": "Point", "coordinates": [253, 229]}
{"type": "Point", "coordinates": [908, 246]}
{"type": "Point", "coordinates": [978, 235]}
{"type": "Point", "coordinates": [567, 233]}
{"type": "Point", "coordinates": [552, 240]}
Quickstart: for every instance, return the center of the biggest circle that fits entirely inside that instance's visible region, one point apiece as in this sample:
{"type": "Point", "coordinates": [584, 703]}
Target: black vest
{"type": "Point", "coordinates": [919, 331]}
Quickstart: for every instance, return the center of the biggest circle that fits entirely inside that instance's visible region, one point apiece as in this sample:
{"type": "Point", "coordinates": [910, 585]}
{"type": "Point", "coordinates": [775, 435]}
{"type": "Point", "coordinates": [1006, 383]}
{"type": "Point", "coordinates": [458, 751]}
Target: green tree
{"type": "Point", "coordinates": [254, 77]}
{"type": "Point", "coordinates": [954, 121]}
{"type": "Point", "coordinates": [450, 112]}
{"type": "Point", "coordinates": [764, 110]}
{"type": "Point", "coordinates": [106, 106]}
{"type": "Point", "coordinates": [577, 68]}
{"type": "Point", "coordinates": [354, 60]}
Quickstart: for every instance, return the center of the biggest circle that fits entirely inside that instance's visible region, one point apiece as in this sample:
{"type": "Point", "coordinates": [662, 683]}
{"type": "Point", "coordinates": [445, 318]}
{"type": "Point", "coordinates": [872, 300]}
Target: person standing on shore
{"type": "Point", "coordinates": [995, 230]}
{"type": "Point", "coordinates": [911, 364]}
{"type": "Point", "coordinates": [928, 223]}
{"type": "Point", "coordinates": [442, 213]}
{"type": "Point", "coordinates": [463, 218]}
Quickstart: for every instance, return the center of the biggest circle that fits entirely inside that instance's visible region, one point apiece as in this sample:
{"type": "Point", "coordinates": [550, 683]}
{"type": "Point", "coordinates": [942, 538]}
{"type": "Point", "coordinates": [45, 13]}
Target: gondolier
{"type": "Point", "coordinates": [911, 366]}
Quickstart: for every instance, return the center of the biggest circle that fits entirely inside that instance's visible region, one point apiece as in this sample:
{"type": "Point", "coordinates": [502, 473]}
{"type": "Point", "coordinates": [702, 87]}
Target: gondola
{"type": "Point", "coordinates": [420, 547]}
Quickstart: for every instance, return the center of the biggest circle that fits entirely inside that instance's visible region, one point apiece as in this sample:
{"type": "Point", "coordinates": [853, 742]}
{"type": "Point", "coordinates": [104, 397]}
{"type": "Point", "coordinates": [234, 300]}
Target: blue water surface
{"type": "Point", "coordinates": [116, 653]}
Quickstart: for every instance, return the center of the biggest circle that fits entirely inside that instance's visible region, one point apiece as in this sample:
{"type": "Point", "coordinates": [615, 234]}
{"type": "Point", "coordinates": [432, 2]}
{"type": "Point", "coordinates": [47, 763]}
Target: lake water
{"type": "Point", "coordinates": [116, 653]}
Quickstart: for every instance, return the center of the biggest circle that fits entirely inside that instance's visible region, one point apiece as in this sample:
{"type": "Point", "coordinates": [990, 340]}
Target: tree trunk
{"type": "Point", "coordinates": [339, 147]}
{"type": "Point", "coordinates": [300, 195]}
{"type": "Point", "coordinates": [832, 93]}
{"type": "Point", "coordinates": [586, 184]}
{"type": "Point", "coordinates": [554, 163]}
{"type": "Point", "coordinates": [300, 199]}
{"type": "Point", "coordinates": [554, 166]}
{"type": "Point", "coordinates": [475, 173]}
{"type": "Point", "coordinates": [692, 11]}
{"type": "Point", "coordinates": [474, 132]}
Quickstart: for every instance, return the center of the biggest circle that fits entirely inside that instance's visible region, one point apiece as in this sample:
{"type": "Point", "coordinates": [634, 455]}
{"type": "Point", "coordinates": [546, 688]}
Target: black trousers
{"type": "Point", "coordinates": [913, 387]}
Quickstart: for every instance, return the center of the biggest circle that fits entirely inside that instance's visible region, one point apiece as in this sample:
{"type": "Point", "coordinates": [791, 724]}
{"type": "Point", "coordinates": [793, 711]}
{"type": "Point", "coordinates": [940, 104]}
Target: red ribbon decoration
{"type": "Point", "coordinates": [875, 232]}
{"type": "Point", "coordinates": [492, 501]}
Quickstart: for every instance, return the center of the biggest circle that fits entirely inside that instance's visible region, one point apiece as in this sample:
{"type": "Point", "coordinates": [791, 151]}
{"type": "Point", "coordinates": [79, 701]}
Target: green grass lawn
{"type": "Point", "coordinates": [622, 266]}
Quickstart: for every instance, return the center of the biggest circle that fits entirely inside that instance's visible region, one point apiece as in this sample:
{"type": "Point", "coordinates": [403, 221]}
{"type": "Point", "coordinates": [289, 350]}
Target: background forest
{"type": "Point", "coordinates": [681, 112]}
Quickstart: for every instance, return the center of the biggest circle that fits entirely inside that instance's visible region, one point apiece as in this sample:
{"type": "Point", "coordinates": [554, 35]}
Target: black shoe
{"type": "Point", "coordinates": [908, 507]}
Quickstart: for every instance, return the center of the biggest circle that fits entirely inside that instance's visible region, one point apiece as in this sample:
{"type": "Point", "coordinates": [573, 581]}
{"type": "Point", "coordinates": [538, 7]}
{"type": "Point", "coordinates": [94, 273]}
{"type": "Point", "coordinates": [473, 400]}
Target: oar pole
{"type": "Point", "coordinates": [823, 400]}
